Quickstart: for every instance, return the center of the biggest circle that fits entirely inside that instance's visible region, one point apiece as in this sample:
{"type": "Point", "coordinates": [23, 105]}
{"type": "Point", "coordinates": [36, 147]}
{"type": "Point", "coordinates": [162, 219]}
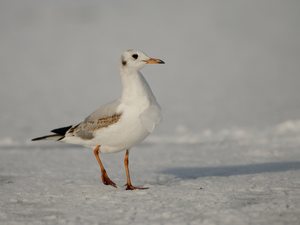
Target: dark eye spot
{"type": "Point", "coordinates": [124, 62]}
{"type": "Point", "coordinates": [135, 56]}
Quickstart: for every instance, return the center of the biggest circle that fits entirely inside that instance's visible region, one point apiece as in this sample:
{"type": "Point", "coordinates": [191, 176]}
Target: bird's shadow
{"type": "Point", "coordinates": [224, 171]}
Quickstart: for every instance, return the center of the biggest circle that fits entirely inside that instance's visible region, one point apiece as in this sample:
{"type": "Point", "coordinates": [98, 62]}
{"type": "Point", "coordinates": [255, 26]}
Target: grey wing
{"type": "Point", "coordinates": [104, 116]}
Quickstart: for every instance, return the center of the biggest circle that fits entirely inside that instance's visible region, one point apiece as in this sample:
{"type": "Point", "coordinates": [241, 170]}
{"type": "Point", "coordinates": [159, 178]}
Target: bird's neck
{"type": "Point", "coordinates": [135, 88]}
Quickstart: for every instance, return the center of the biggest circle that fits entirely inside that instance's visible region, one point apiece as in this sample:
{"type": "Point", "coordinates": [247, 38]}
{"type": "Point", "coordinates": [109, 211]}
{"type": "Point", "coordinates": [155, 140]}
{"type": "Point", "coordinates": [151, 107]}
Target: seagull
{"type": "Point", "coordinates": [120, 124]}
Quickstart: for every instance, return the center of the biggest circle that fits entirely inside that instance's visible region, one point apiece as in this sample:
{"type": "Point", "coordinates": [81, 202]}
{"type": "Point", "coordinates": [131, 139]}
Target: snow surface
{"type": "Point", "coordinates": [227, 151]}
{"type": "Point", "coordinates": [221, 180]}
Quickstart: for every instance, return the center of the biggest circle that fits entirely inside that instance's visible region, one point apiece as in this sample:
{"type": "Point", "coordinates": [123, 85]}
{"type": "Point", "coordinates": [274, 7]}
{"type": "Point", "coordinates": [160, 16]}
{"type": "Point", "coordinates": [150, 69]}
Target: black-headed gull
{"type": "Point", "coordinates": [121, 124]}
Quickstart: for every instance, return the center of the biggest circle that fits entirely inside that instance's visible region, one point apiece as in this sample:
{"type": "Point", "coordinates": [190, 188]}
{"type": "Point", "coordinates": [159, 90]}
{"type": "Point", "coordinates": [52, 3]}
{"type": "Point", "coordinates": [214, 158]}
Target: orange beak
{"type": "Point", "coordinates": [154, 61]}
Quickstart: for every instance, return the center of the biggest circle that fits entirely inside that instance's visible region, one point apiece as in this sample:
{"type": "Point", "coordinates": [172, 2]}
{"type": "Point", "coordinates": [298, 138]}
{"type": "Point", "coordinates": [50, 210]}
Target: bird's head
{"type": "Point", "coordinates": [136, 60]}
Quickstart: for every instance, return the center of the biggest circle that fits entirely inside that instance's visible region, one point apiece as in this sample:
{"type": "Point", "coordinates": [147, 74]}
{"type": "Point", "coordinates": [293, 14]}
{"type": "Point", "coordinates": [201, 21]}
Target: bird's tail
{"type": "Point", "coordinates": [58, 135]}
{"type": "Point", "coordinates": [52, 137]}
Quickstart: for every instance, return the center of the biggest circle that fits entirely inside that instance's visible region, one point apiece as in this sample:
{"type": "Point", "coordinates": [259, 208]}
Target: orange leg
{"type": "Point", "coordinates": [128, 185]}
{"type": "Point", "coordinates": [104, 176]}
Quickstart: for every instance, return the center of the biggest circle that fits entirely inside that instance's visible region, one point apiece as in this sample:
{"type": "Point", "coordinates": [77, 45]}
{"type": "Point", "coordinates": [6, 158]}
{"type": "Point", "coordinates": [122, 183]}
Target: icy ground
{"type": "Point", "coordinates": [233, 177]}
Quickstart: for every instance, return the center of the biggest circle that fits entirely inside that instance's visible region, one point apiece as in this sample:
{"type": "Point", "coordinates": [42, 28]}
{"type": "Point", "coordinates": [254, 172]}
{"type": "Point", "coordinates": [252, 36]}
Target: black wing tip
{"type": "Point", "coordinates": [41, 138]}
{"type": "Point", "coordinates": [36, 139]}
{"type": "Point", "coordinates": [56, 137]}
{"type": "Point", "coordinates": [61, 130]}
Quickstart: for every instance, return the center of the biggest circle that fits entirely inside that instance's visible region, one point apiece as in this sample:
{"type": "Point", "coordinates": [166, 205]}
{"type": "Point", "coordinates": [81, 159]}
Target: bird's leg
{"type": "Point", "coordinates": [128, 185]}
{"type": "Point", "coordinates": [105, 179]}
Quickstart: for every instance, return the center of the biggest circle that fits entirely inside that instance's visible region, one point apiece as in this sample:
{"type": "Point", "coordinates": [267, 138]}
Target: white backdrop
{"type": "Point", "coordinates": [228, 63]}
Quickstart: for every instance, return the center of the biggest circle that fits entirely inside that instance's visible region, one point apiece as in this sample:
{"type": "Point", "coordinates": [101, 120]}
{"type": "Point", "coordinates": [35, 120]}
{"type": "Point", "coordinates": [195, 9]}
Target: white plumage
{"type": "Point", "coordinates": [122, 123]}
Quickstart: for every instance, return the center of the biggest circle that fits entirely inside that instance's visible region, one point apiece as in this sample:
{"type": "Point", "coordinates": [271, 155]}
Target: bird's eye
{"type": "Point", "coordinates": [135, 56]}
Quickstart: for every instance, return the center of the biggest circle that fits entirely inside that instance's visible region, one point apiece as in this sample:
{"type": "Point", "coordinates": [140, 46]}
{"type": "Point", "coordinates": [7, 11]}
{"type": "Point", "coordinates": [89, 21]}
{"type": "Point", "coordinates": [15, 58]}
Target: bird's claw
{"type": "Point", "coordinates": [131, 187]}
{"type": "Point", "coordinates": [107, 181]}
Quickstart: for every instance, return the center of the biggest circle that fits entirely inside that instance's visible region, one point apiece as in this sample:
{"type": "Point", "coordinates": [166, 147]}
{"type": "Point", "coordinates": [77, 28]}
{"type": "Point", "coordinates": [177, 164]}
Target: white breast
{"type": "Point", "coordinates": [140, 113]}
{"type": "Point", "coordinates": [128, 131]}
{"type": "Point", "coordinates": [151, 117]}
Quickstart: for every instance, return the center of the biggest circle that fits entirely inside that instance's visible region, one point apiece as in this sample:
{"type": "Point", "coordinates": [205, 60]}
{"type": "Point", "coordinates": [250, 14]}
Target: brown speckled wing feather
{"type": "Point", "coordinates": [103, 117]}
{"type": "Point", "coordinates": [85, 130]}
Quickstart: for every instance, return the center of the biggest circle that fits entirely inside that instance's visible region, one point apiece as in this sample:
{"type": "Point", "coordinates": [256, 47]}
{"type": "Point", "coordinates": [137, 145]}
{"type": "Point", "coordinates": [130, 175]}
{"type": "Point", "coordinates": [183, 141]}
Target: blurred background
{"type": "Point", "coordinates": [228, 63]}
